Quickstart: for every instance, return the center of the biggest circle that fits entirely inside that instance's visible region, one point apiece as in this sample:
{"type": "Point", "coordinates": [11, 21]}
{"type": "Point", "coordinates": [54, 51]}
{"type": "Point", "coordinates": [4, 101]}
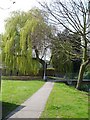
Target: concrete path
{"type": "Point", "coordinates": [33, 107]}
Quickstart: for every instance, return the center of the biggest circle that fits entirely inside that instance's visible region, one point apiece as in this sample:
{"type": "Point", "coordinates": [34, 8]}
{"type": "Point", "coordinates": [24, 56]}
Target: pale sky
{"type": "Point", "coordinates": [6, 6]}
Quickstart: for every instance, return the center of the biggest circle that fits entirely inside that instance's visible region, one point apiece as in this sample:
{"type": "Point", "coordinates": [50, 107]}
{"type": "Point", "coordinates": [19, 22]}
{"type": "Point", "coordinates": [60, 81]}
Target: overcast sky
{"type": "Point", "coordinates": [6, 6]}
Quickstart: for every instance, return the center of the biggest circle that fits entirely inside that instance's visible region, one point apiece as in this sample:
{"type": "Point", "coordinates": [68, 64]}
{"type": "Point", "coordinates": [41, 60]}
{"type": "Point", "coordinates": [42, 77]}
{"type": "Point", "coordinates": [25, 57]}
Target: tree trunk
{"type": "Point", "coordinates": [44, 70]}
{"type": "Point", "coordinates": [44, 65]}
{"type": "Point", "coordinates": [80, 76]}
{"type": "Point", "coordinates": [85, 62]}
{"type": "Point", "coordinates": [81, 73]}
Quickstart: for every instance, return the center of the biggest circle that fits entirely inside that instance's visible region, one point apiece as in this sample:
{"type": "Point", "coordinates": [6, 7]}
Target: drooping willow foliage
{"type": "Point", "coordinates": [20, 31]}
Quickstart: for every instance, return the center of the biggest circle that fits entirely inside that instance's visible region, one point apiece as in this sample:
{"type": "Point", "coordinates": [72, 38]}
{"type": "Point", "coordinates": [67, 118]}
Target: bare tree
{"type": "Point", "coordinates": [73, 15]}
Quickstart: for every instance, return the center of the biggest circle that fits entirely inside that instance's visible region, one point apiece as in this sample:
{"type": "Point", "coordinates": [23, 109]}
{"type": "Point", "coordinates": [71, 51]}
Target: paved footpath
{"type": "Point", "coordinates": [33, 107]}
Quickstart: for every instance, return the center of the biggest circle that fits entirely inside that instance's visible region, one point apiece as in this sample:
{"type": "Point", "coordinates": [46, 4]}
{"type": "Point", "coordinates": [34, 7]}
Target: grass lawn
{"type": "Point", "coordinates": [16, 92]}
{"type": "Point", "coordinates": [66, 102]}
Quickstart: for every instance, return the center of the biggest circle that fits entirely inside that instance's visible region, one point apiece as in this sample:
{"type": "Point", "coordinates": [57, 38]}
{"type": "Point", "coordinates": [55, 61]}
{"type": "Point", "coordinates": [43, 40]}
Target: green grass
{"type": "Point", "coordinates": [16, 92]}
{"type": "Point", "coordinates": [66, 102]}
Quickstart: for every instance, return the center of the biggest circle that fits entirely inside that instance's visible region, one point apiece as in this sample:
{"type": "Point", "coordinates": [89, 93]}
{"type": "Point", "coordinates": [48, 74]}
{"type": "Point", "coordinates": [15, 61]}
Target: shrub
{"type": "Point", "coordinates": [50, 72]}
{"type": "Point", "coordinates": [87, 75]}
{"type": "Point", "coordinates": [85, 87]}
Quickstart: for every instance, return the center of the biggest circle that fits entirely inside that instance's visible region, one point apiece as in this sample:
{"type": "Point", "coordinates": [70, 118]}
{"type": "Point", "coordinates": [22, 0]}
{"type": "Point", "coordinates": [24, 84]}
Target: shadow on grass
{"type": "Point", "coordinates": [7, 109]}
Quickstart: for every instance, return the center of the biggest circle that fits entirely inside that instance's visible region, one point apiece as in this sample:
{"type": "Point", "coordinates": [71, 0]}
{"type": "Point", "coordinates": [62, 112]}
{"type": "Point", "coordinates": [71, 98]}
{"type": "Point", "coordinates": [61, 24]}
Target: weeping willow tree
{"type": "Point", "coordinates": [23, 30]}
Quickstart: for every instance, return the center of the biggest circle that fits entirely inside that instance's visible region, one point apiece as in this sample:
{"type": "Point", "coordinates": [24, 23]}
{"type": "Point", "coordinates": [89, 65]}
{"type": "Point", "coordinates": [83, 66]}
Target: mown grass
{"type": "Point", "coordinates": [66, 102]}
{"type": "Point", "coordinates": [16, 92]}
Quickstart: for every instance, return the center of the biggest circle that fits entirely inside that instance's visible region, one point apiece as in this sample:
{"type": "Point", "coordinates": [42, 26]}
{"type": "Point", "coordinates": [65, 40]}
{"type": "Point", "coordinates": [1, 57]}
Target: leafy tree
{"type": "Point", "coordinates": [59, 54]}
{"type": "Point", "coordinates": [74, 16]}
{"type": "Point", "coordinates": [23, 31]}
{"type": "Point", "coordinates": [60, 60]}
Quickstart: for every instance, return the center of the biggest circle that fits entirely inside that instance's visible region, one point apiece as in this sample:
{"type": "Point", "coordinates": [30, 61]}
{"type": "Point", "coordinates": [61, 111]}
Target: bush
{"type": "Point", "coordinates": [21, 78]}
{"type": "Point", "coordinates": [85, 87]}
{"type": "Point", "coordinates": [87, 75]}
{"type": "Point", "coordinates": [50, 72]}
